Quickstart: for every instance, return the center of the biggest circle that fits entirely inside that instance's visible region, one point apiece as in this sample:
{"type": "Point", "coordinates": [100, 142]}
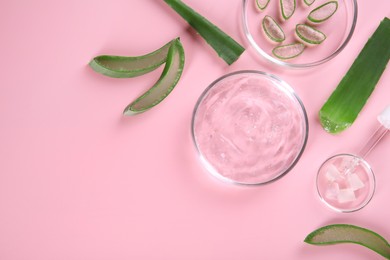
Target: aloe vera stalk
{"type": "Point", "coordinates": [226, 47]}
{"type": "Point", "coordinates": [344, 233]}
{"type": "Point", "coordinates": [165, 84]}
{"type": "Point", "coordinates": [348, 99]}
{"type": "Point", "coordinates": [128, 67]}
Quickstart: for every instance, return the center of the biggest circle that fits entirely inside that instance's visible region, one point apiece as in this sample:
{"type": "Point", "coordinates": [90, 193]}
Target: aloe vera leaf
{"type": "Point", "coordinates": [164, 85]}
{"type": "Point", "coordinates": [287, 8]}
{"type": "Point", "coordinates": [348, 99]}
{"type": "Point", "coordinates": [272, 29]}
{"type": "Point", "coordinates": [345, 233]}
{"type": "Point", "coordinates": [309, 34]}
{"type": "Point", "coordinates": [262, 4]}
{"type": "Point", "coordinates": [288, 51]}
{"type": "Point", "coordinates": [128, 67]}
{"type": "Point", "coordinates": [323, 12]}
{"type": "Point", "coordinates": [309, 2]}
{"type": "Point", "coordinates": [225, 46]}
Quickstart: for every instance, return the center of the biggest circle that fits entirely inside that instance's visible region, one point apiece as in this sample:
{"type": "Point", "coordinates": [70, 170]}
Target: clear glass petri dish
{"type": "Point", "coordinates": [249, 127]}
{"type": "Point", "coordinates": [338, 29]}
{"type": "Point", "coordinates": [345, 183]}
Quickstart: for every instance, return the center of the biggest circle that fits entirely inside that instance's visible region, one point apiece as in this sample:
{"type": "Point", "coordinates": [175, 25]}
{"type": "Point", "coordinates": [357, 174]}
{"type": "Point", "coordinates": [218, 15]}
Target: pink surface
{"type": "Point", "coordinates": [80, 181]}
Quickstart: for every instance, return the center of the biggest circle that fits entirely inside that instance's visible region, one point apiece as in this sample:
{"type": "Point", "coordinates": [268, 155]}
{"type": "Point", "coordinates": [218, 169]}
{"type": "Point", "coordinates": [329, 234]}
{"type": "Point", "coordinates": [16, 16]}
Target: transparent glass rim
{"type": "Point", "coordinates": [281, 84]}
{"type": "Point", "coordinates": [302, 65]}
{"type": "Point", "coordinates": [372, 189]}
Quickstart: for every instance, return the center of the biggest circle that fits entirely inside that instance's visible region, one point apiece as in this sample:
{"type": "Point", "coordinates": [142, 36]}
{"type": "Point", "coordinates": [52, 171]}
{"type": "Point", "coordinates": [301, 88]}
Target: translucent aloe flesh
{"type": "Point", "coordinates": [287, 8]}
{"type": "Point", "coordinates": [128, 67]}
{"type": "Point", "coordinates": [226, 47]}
{"type": "Point", "coordinates": [288, 51]}
{"type": "Point", "coordinates": [262, 4]}
{"type": "Point", "coordinates": [165, 84]}
{"type": "Point", "coordinates": [353, 91]}
{"type": "Point", "coordinates": [309, 2]}
{"type": "Point", "coordinates": [309, 34]}
{"type": "Point", "coordinates": [272, 29]}
{"type": "Point", "coordinates": [344, 233]}
{"type": "Point", "coordinates": [323, 12]}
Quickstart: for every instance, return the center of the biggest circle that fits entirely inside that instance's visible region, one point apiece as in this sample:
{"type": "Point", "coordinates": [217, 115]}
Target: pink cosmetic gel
{"type": "Point", "coordinates": [249, 127]}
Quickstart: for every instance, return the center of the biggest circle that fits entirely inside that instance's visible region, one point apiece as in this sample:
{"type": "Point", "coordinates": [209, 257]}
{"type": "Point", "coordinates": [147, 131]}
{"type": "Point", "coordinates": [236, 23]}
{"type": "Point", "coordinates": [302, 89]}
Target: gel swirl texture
{"type": "Point", "coordinates": [248, 129]}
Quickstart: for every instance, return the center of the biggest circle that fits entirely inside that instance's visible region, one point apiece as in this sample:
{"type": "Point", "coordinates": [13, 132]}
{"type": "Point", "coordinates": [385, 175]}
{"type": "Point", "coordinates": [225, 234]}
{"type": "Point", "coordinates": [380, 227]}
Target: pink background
{"type": "Point", "coordinates": [80, 181]}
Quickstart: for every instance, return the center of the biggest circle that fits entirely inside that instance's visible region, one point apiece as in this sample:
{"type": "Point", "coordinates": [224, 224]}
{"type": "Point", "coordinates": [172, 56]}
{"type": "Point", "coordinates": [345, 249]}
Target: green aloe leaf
{"type": "Point", "coordinates": [353, 91]}
{"type": "Point", "coordinates": [323, 12]}
{"type": "Point", "coordinates": [227, 48]}
{"type": "Point", "coordinates": [128, 67]}
{"type": "Point", "coordinates": [344, 233]}
{"type": "Point", "coordinates": [165, 84]}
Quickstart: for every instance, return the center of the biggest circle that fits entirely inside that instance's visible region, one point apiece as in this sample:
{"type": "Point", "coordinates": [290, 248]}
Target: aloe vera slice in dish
{"type": "Point", "coordinates": [165, 84]}
{"type": "Point", "coordinates": [344, 233]}
{"type": "Point", "coordinates": [348, 99]}
{"type": "Point", "coordinates": [287, 8]}
{"type": "Point", "coordinates": [272, 29]}
{"type": "Point", "coordinates": [288, 51]}
{"type": "Point", "coordinates": [128, 67]}
{"type": "Point", "coordinates": [262, 4]}
{"type": "Point", "coordinates": [308, 2]}
{"type": "Point", "coordinates": [323, 12]}
{"type": "Point", "coordinates": [227, 48]}
{"type": "Point", "coordinates": [309, 34]}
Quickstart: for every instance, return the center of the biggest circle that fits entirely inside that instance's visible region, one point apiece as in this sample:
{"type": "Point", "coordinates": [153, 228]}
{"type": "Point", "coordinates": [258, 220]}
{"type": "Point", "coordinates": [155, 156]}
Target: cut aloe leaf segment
{"type": "Point", "coordinates": [288, 51]}
{"type": "Point", "coordinates": [262, 4]}
{"type": "Point", "coordinates": [353, 91]}
{"type": "Point", "coordinates": [272, 29]}
{"type": "Point", "coordinates": [128, 67]}
{"type": "Point", "coordinates": [308, 2]}
{"type": "Point", "coordinates": [308, 34]}
{"type": "Point", "coordinates": [287, 8]}
{"type": "Point", "coordinates": [323, 12]}
{"type": "Point", "coordinates": [165, 84]}
{"type": "Point", "coordinates": [344, 233]}
{"type": "Point", "coordinates": [227, 48]}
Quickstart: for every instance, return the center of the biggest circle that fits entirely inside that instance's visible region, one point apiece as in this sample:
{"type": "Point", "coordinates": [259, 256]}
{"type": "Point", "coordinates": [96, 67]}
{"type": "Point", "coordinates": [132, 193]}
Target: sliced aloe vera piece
{"type": "Point", "coordinates": [309, 34]}
{"type": "Point", "coordinates": [227, 48]}
{"type": "Point", "coordinates": [272, 29]}
{"type": "Point", "coordinates": [165, 84]}
{"type": "Point", "coordinates": [128, 67]}
{"type": "Point", "coordinates": [287, 8]}
{"type": "Point", "coordinates": [353, 91]}
{"type": "Point", "coordinates": [323, 12]}
{"type": "Point", "coordinates": [262, 4]}
{"type": "Point", "coordinates": [344, 233]}
{"type": "Point", "coordinates": [308, 2]}
{"type": "Point", "coordinates": [288, 51]}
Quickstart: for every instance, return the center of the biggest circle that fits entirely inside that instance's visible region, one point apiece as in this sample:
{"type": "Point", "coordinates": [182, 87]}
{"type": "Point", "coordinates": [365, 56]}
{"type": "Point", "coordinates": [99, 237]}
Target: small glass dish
{"type": "Point", "coordinates": [249, 127]}
{"type": "Point", "coordinates": [345, 183]}
{"type": "Point", "coordinates": [338, 30]}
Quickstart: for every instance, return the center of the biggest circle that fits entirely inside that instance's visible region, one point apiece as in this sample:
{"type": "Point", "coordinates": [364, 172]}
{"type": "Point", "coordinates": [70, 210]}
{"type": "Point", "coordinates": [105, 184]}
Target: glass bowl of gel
{"type": "Point", "coordinates": [249, 127]}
